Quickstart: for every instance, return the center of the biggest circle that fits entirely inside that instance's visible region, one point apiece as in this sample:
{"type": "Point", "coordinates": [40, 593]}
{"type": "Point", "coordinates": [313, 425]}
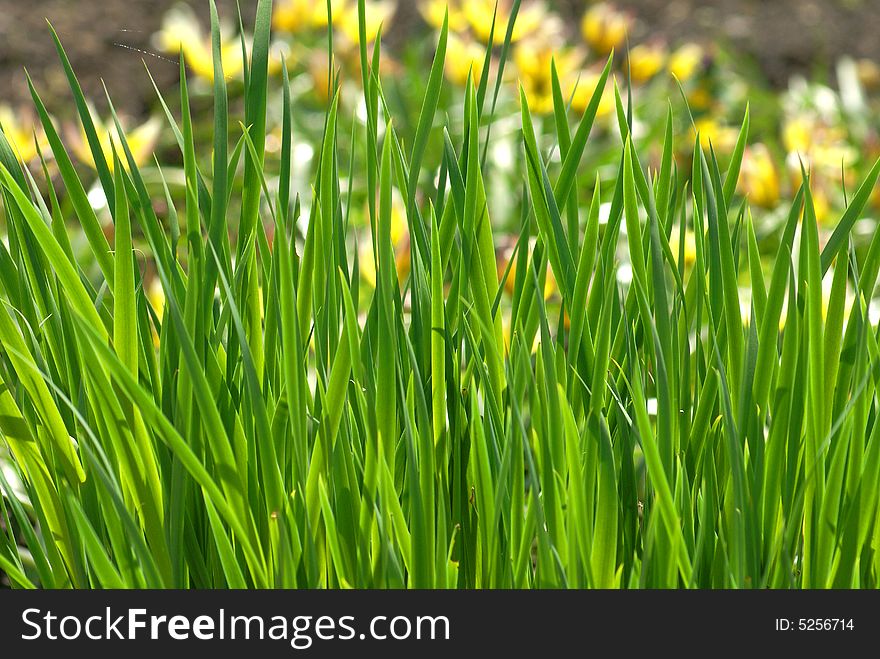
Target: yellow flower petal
{"type": "Point", "coordinates": [690, 246]}
{"type": "Point", "coordinates": [377, 14]}
{"type": "Point", "coordinates": [19, 129]}
{"type": "Point", "coordinates": [581, 92]}
{"type": "Point", "coordinates": [463, 56]}
{"type": "Point", "coordinates": [759, 179]}
{"type": "Point", "coordinates": [181, 31]}
{"type": "Point", "coordinates": [433, 11]}
{"type": "Point", "coordinates": [479, 15]}
{"type": "Point", "coordinates": [685, 62]}
{"type": "Point", "coordinates": [141, 141]}
{"type": "Point", "coordinates": [646, 60]}
{"type": "Point", "coordinates": [604, 27]}
{"type": "Point", "coordinates": [796, 134]}
{"type": "Point", "coordinates": [534, 59]}
{"type": "Point", "coordinates": [722, 137]}
{"type": "Point", "coordinates": [298, 15]}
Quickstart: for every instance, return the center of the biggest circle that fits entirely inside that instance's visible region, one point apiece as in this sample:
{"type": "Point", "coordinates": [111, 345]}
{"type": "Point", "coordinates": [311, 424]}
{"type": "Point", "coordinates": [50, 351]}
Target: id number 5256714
{"type": "Point", "coordinates": [815, 624]}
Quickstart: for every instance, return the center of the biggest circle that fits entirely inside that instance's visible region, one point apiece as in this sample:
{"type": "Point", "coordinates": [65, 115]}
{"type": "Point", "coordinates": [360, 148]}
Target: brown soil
{"type": "Point", "coordinates": [104, 37]}
{"type": "Point", "coordinates": [783, 36]}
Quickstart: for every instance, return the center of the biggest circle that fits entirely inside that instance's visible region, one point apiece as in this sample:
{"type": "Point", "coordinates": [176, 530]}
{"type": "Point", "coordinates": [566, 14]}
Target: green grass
{"type": "Point", "coordinates": [283, 424]}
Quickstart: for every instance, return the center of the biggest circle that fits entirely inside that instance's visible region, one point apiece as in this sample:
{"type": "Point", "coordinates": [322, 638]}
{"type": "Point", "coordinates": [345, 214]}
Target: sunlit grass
{"type": "Point", "coordinates": [272, 419]}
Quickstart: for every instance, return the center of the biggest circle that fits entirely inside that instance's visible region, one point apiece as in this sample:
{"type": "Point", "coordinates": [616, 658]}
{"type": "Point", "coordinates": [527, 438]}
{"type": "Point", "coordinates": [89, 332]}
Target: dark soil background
{"type": "Point", "coordinates": [783, 36]}
{"type": "Point", "coordinates": [103, 37]}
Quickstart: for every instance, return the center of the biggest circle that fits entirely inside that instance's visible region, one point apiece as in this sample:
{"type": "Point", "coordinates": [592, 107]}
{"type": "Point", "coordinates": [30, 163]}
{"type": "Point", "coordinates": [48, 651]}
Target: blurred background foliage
{"type": "Point", "coordinates": [808, 72]}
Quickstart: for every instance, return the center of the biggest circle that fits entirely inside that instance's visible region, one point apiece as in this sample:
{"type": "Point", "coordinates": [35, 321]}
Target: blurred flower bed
{"type": "Point", "coordinates": [830, 130]}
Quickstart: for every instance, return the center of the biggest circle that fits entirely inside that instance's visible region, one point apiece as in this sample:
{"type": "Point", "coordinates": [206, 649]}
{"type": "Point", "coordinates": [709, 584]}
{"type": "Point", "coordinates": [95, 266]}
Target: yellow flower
{"type": "Point", "coordinates": [377, 14]}
{"type": "Point", "coordinates": [533, 59]}
{"type": "Point", "coordinates": [820, 182]}
{"type": "Point", "coordinates": [605, 27]}
{"type": "Point", "coordinates": [399, 239]}
{"type": "Point", "coordinates": [581, 92]}
{"type": "Point", "coordinates": [402, 261]}
{"type": "Point", "coordinates": [19, 128]}
{"type": "Point", "coordinates": [646, 60]}
{"type": "Point", "coordinates": [721, 137]}
{"type": "Point", "coordinates": [821, 145]}
{"type": "Point", "coordinates": [182, 32]}
{"type": "Point", "coordinates": [822, 206]}
{"type": "Point", "coordinates": [833, 158]}
{"type": "Point", "coordinates": [156, 296]}
{"type": "Point", "coordinates": [479, 14]}
{"type": "Point", "coordinates": [759, 180]}
{"type": "Point", "coordinates": [550, 286]}
{"type": "Point", "coordinates": [299, 15]}
{"type": "Point", "coordinates": [690, 246]}
{"type": "Point", "coordinates": [463, 56]}
{"type": "Point", "coordinates": [875, 197]}
{"type": "Point", "coordinates": [319, 71]}
{"type": "Point", "coordinates": [686, 62]}
{"type": "Point", "coordinates": [823, 150]}
{"type": "Point", "coordinates": [796, 134]}
{"type": "Point", "coordinates": [367, 265]}
{"type": "Point", "coordinates": [433, 12]}
{"type": "Point", "coordinates": [141, 141]}
{"type": "Point", "coordinates": [156, 299]}
{"type": "Point", "coordinates": [503, 254]}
